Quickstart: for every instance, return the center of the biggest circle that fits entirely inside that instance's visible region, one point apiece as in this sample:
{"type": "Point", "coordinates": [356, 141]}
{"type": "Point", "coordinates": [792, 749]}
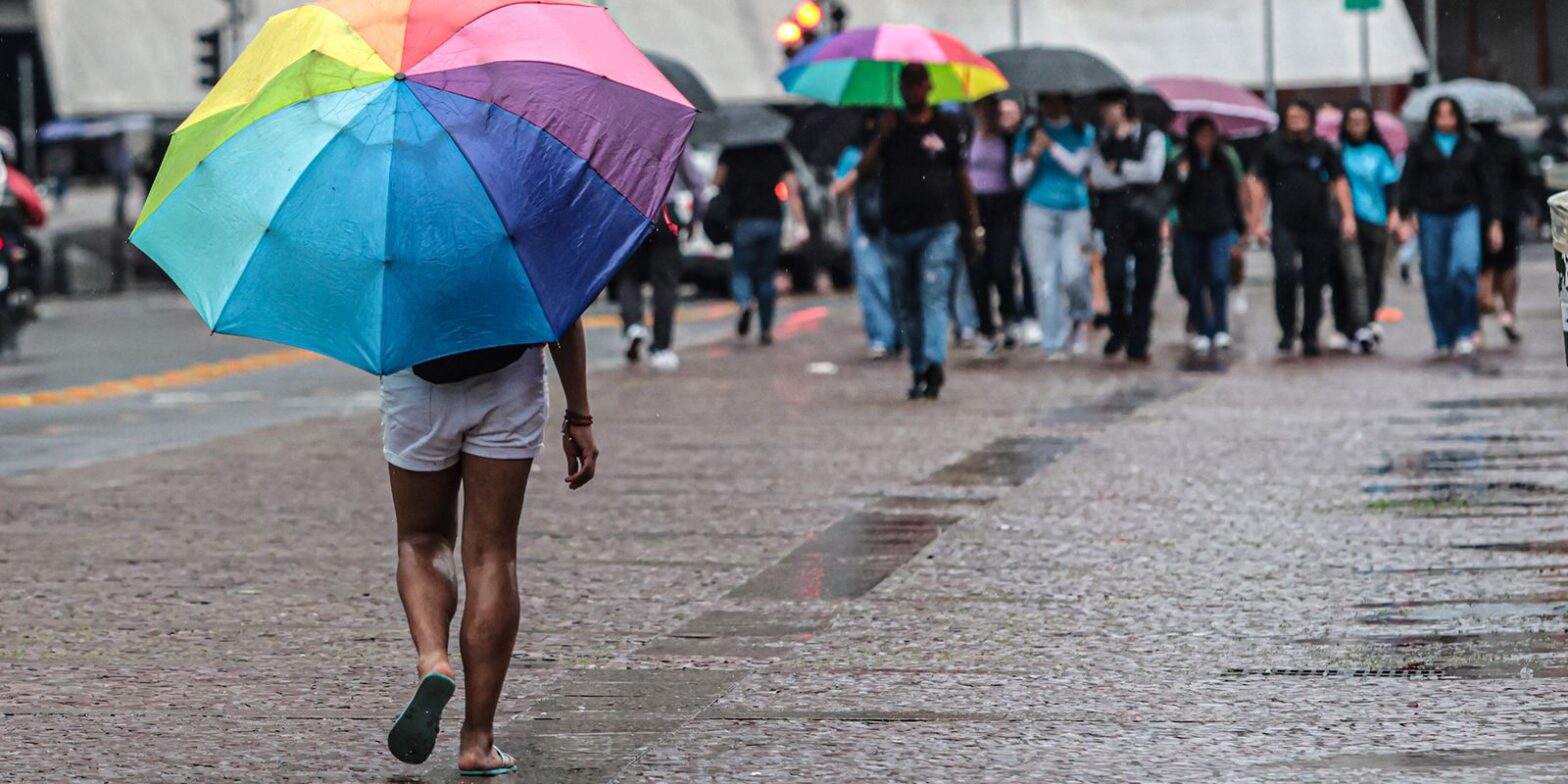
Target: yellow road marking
{"type": "Point", "coordinates": [227, 368]}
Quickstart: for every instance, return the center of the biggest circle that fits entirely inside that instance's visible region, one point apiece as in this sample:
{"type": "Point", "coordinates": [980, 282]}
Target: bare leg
{"type": "Point", "coordinates": [1508, 286]}
{"type": "Point", "coordinates": [493, 492]}
{"type": "Point", "coordinates": [426, 506]}
{"type": "Point", "coordinates": [1488, 290]}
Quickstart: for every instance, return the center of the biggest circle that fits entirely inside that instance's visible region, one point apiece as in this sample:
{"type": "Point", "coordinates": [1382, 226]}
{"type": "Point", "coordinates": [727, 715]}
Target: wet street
{"type": "Point", "coordinates": [1353, 569]}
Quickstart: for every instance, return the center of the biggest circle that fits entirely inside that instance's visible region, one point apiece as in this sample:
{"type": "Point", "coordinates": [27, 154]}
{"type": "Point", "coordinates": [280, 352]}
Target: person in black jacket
{"type": "Point", "coordinates": [1208, 205]}
{"type": "Point", "coordinates": [1446, 186]}
{"type": "Point", "coordinates": [1505, 163]}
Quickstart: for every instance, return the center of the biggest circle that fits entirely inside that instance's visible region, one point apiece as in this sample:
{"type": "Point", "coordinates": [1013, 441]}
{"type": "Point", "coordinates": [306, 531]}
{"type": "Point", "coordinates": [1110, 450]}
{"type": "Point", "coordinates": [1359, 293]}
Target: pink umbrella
{"type": "Point", "coordinates": [1239, 113]}
{"type": "Point", "coordinates": [1394, 132]}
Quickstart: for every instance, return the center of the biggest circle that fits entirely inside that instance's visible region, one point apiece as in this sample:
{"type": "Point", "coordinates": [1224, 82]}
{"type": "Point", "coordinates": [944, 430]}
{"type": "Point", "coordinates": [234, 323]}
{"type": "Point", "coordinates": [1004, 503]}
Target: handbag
{"type": "Point", "coordinates": [718, 223]}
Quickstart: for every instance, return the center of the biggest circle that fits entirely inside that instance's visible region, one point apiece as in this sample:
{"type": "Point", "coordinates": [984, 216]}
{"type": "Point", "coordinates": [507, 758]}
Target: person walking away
{"type": "Point", "coordinates": [1446, 186]}
{"type": "Point", "coordinates": [925, 195]}
{"type": "Point", "coordinates": [1374, 186]}
{"type": "Point", "coordinates": [752, 176]}
{"type": "Point", "coordinates": [991, 156]}
{"type": "Point", "coordinates": [1052, 164]}
{"type": "Point", "coordinates": [1208, 200]}
{"type": "Point", "coordinates": [658, 263]}
{"type": "Point", "coordinates": [1507, 167]}
{"type": "Point", "coordinates": [1300, 173]}
{"type": "Point", "coordinates": [470, 426]}
{"type": "Point", "coordinates": [1127, 174]}
{"type": "Point", "coordinates": [867, 247]}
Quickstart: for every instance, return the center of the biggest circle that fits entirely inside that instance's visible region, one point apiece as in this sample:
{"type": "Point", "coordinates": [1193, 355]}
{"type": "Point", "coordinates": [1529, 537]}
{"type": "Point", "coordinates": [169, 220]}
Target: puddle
{"type": "Point", "coordinates": [1460, 758]}
{"type": "Point", "coordinates": [1499, 403]}
{"type": "Point", "coordinates": [847, 559]}
{"type": "Point", "coordinates": [1005, 462]}
{"type": "Point", "coordinates": [1488, 438]}
{"type": "Point", "coordinates": [1115, 406]}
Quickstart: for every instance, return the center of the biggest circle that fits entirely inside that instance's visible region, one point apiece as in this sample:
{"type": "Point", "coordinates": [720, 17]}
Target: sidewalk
{"type": "Point", "coordinates": [1344, 570]}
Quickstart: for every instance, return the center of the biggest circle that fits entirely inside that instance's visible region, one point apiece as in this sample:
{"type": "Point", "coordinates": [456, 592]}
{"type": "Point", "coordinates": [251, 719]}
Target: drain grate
{"type": "Point", "coordinates": [1421, 671]}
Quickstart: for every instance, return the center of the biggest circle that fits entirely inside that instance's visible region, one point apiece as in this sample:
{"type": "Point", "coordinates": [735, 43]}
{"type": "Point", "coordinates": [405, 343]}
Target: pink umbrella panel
{"type": "Point", "coordinates": [1394, 132]}
{"type": "Point", "coordinates": [1239, 113]}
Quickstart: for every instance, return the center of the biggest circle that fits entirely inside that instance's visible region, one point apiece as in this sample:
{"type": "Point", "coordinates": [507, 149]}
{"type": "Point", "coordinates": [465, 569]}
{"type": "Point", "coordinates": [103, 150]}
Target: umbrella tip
{"type": "Point", "coordinates": [400, 76]}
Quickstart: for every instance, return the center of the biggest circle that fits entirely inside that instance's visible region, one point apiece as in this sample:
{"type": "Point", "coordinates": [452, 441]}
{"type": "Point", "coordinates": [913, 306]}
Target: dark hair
{"type": "Point", "coordinates": [988, 111]}
{"type": "Point", "coordinates": [1199, 124]}
{"type": "Point", "coordinates": [1374, 133]}
{"type": "Point", "coordinates": [1306, 106]}
{"type": "Point", "coordinates": [914, 73]}
{"type": "Point", "coordinates": [1459, 112]}
{"type": "Point", "coordinates": [1121, 96]}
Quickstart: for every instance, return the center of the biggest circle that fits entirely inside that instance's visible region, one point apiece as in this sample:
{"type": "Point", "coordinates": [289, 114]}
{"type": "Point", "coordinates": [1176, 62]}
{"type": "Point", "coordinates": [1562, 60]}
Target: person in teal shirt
{"type": "Point", "coordinates": [1374, 183]}
{"type": "Point", "coordinates": [866, 246]}
{"type": "Point", "coordinates": [1051, 164]}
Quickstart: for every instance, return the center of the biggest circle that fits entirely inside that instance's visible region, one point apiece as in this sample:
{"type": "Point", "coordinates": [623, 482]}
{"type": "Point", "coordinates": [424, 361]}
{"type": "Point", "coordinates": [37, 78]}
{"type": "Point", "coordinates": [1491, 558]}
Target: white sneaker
{"type": "Point", "coordinates": [1202, 345]}
{"type": "Point", "coordinates": [1465, 348]}
{"type": "Point", "coordinates": [1238, 302]}
{"type": "Point", "coordinates": [987, 348]}
{"type": "Point", "coordinates": [1366, 341]}
{"type": "Point", "coordinates": [664, 361]}
{"type": "Point", "coordinates": [1222, 341]}
{"type": "Point", "coordinates": [1337, 342]}
{"type": "Point", "coordinates": [878, 351]}
{"type": "Point", "coordinates": [1031, 334]}
{"type": "Point", "coordinates": [1377, 331]}
{"type": "Point", "coordinates": [1081, 339]}
{"type": "Point", "coordinates": [966, 338]}
{"type": "Point", "coordinates": [1012, 337]}
{"type": "Point", "coordinates": [634, 337]}
{"type": "Point", "coordinates": [1056, 356]}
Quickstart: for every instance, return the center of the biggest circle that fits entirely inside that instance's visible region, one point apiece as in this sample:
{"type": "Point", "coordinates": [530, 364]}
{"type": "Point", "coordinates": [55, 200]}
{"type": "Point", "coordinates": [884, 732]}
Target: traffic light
{"type": "Point", "coordinates": [804, 25]}
{"type": "Point", "coordinates": [209, 59]}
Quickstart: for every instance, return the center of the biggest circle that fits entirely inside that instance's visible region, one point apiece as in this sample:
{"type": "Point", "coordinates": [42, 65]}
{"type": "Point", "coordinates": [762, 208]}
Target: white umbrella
{"type": "Point", "coordinates": [1483, 101]}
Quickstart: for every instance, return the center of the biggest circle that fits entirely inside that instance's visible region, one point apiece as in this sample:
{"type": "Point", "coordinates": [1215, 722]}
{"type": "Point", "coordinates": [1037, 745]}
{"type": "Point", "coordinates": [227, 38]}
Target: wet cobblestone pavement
{"type": "Point", "coordinates": [1345, 570]}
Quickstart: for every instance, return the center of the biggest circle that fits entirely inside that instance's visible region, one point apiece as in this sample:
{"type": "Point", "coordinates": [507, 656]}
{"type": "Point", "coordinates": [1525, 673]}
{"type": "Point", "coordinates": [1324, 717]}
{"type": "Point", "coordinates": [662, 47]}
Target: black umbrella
{"type": "Point", "coordinates": [1052, 70]}
{"type": "Point", "coordinates": [741, 126]}
{"type": "Point", "coordinates": [685, 80]}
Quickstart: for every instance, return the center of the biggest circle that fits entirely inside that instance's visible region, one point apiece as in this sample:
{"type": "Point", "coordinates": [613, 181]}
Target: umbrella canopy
{"type": "Point", "coordinates": [741, 126]}
{"type": "Point", "coordinates": [1483, 101]}
{"type": "Point", "coordinates": [861, 67]}
{"type": "Point", "coordinates": [1039, 69]}
{"type": "Point", "coordinates": [1394, 132]}
{"type": "Point", "coordinates": [1239, 113]}
{"type": "Point", "coordinates": [686, 80]}
{"type": "Point", "coordinates": [388, 182]}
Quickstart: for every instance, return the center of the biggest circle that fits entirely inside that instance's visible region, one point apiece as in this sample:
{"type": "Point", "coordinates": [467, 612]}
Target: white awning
{"type": "Point", "coordinates": [117, 56]}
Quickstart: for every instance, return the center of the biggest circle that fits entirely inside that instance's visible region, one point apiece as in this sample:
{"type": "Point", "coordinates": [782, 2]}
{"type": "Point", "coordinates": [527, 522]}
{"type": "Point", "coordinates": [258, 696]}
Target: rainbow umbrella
{"type": "Point", "coordinates": [861, 67]}
{"type": "Point", "coordinates": [388, 182]}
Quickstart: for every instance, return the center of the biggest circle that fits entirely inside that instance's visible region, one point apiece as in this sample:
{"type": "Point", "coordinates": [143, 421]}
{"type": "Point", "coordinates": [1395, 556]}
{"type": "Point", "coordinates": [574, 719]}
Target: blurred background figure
{"type": "Point", "coordinates": [751, 178]}
{"type": "Point", "coordinates": [1208, 199]}
{"type": "Point", "coordinates": [1505, 164]}
{"type": "Point", "coordinates": [1052, 164]}
{"type": "Point", "coordinates": [864, 198]}
{"type": "Point", "coordinates": [992, 273]}
{"type": "Point", "coordinates": [1374, 189]}
{"type": "Point", "coordinates": [1447, 188]}
{"type": "Point", "coordinates": [1127, 173]}
{"type": "Point", "coordinates": [1027, 330]}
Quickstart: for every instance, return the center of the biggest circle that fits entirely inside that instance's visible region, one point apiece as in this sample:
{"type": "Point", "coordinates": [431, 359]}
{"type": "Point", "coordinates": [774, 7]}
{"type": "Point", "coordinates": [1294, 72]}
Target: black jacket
{"type": "Point", "coordinates": [1208, 199]}
{"type": "Point", "coordinates": [1508, 167]}
{"type": "Point", "coordinates": [1447, 184]}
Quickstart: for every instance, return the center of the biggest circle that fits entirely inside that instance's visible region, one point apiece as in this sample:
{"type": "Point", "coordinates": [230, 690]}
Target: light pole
{"type": "Point", "coordinates": [1431, 41]}
{"type": "Point", "coordinates": [236, 32]}
{"type": "Point", "coordinates": [1270, 84]}
{"type": "Point", "coordinates": [1018, 24]}
{"type": "Point", "coordinates": [1366, 56]}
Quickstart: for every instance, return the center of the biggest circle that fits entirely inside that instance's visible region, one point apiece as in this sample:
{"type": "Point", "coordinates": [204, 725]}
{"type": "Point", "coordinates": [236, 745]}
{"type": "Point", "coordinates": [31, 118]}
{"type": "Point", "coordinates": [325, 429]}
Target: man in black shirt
{"type": "Point", "coordinates": [1304, 176]}
{"type": "Point", "coordinates": [751, 177]}
{"type": "Point", "coordinates": [925, 195]}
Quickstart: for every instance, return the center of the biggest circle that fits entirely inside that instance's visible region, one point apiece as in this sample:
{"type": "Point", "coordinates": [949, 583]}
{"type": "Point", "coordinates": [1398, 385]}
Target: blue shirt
{"type": "Point", "coordinates": [1052, 187]}
{"type": "Point", "coordinates": [1446, 142]}
{"type": "Point", "coordinates": [1370, 170]}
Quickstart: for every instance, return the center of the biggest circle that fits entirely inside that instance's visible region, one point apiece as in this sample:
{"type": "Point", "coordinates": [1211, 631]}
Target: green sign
{"type": "Point", "coordinates": [1363, 5]}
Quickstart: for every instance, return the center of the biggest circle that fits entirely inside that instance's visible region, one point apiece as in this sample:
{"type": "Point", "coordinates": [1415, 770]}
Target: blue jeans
{"type": "Point", "coordinates": [966, 315]}
{"type": "Point", "coordinates": [753, 265]}
{"type": "Point", "coordinates": [1208, 279]}
{"type": "Point", "coordinates": [921, 265]}
{"type": "Point", "coordinates": [876, 291]}
{"type": "Point", "coordinates": [1055, 242]}
{"type": "Point", "coordinates": [1450, 271]}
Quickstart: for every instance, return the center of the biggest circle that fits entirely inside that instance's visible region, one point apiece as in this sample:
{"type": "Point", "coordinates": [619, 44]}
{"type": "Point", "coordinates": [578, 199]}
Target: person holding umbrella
{"type": "Point", "coordinates": [1127, 173]}
{"type": "Point", "coordinates": [1301, 173]}
{"type": "Point", "coordinates": [926, 194]}
{"type": "Point", "coordinates": [1447, 188]}
{"type": "Point", "coordinates": [1052, 165]}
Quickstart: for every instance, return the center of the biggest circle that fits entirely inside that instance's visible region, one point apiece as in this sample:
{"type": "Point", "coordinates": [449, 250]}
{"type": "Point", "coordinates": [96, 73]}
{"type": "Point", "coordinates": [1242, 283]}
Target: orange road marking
{"type": "Point", "coordinates": [171, 379]}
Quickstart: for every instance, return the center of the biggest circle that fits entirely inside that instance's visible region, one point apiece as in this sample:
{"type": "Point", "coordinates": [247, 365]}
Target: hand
{"type": "Point", "coordinates": [1166, 232]}
{"type": "Point", "coordinates": [1183, 168]}
{"type": "Point", "coordinates": [582, 455]}
{"type": "Point", "coordinates": [1407, 231]}
{"type": "Point", "coordinates": [1494, 236]}
{"type": "Point", "coordinates": [888, 122]}
{"type": "Point", "coordinates": [1347, 228]}
{"type": "Point", "coordinates": [1040, 144]}
{"type": "Point", "coordinates": [974, 243]}
{"type": "Point", "coordinates": [1262, 236]}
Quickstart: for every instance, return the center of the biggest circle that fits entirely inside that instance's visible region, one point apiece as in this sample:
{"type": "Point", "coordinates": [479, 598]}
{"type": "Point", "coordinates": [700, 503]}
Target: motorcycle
{"type": "Point", "coordinates": [20, 284]}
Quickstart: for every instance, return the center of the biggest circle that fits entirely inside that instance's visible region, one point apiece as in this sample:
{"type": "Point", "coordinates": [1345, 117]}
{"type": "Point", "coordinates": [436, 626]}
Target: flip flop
{"type": "Point", "coordinates": [508, 765]}
{"type": "Point", "coordinates": [413, 734]}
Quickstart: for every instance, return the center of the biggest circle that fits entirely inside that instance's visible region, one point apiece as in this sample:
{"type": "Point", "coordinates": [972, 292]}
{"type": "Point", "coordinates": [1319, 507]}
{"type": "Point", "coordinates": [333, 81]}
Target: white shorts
{"type": "Point", "coordinates": [429, 427]}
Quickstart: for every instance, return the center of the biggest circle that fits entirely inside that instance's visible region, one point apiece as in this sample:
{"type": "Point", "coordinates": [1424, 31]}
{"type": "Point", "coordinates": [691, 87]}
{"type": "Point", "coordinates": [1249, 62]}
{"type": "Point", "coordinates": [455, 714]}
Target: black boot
{"type": "Point", "coordinates": [935, 378]}
{"type": "Point", "coordinates": [917, 390]}
{"type": "Point", "coordinates": [1115, 345]}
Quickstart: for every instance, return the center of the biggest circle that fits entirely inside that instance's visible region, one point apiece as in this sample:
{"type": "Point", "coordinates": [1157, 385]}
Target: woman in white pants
{"type": "Point", "coordinates": [1051, 165]}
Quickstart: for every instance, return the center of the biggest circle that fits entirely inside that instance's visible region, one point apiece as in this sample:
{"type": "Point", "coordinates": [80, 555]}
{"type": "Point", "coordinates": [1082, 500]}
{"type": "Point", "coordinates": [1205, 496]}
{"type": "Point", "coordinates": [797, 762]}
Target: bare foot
{"type": "Point", "coordinates": [478, 752]}
{"type": "Point", "coordinates": [440, 664]}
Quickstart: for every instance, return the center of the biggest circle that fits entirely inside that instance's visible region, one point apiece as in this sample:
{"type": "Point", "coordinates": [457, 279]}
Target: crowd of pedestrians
{"type": "Point", "coordinates": [1000, 227]}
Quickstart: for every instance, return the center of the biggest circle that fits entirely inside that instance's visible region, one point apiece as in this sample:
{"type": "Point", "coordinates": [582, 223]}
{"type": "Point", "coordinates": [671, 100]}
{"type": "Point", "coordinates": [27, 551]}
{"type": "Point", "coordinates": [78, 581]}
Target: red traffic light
{"type": "Point", "coordinates": [808, 15]}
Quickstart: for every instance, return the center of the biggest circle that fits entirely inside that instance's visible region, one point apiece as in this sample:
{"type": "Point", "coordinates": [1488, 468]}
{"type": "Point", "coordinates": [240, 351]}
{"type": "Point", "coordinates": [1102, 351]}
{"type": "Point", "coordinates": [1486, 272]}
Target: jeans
{"type": "Point", "coordinates": [921, 264]}
{"type": "Point", "coordinates": [1055, 241]}
{"type": "Point", "coordinates": [754, 264]}
{"type": "Point", "coordinates": [658, 262]}
{"type": "Point", "coordinates": [966, 316]}
{"type": "Point", "coordinates": [1208, 279]}
{"type": "Point", "coordinates": [1302, 262]}
{"type": "Point", "coordinates": [1129, 245]}
{"type": "Point", "coordinates": [1450, 272]}
{"type": "Point", "coordinates": [875, 289]}
{"type": "Point", "coordinates": [994, 270]}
